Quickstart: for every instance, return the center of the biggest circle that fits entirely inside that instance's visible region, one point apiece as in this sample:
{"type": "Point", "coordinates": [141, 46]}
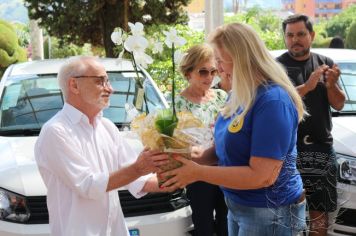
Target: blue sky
{"type": "Point", "coordinates": [276, 4]}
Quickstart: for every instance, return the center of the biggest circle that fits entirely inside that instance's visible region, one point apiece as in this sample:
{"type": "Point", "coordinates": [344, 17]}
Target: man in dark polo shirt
{"type": "Point", "coordinates": [316, 79]}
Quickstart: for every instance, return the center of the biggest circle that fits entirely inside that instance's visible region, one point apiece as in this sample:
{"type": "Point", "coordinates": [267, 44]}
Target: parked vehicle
{"type": "Point", "coordinates": [29, 96]}
{"type": "Point", "coordinates": [343, 220]}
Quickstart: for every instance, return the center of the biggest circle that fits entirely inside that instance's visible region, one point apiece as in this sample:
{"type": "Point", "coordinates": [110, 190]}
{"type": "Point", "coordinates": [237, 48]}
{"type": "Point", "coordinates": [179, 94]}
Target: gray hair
{"type": "Point", "coordinates": [72, 67]}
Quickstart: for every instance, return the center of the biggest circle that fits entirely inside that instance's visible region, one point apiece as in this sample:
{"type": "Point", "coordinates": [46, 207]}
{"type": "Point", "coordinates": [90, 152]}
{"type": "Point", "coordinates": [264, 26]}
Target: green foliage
{"type": "Point", "coordinates": [339, 25]}
{"type": "Point", "coordinates": [23, 34]}
{"type": "Point", "coordinates": [321, 42]}
{"type": "Point", "coordinates": [321, 39]}
{"type": "Point", "coordinates": [320, 29]}
{"type": "Point", "coordinates": [161, 68]}
{"type": "Point", "coordinates": [266, 24]}
{"type": "Point", "coordinates": [166, 122]}
{"type": "Point", "coordinates": [10, 50]}
{"type": "Point", "coordinates": [351, 36]}
{"type": "Point", "coordinates": [93, 21]}
{"type": "Point", "coordinates": [54, 49]}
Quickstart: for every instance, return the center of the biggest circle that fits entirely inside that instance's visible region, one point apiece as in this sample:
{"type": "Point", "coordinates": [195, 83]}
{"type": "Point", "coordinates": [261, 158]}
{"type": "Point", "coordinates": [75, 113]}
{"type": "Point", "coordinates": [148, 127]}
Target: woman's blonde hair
{"type": "Point", "coordinates": [194, 56]}
{"type": "Point", "coordinates": [253, 66]}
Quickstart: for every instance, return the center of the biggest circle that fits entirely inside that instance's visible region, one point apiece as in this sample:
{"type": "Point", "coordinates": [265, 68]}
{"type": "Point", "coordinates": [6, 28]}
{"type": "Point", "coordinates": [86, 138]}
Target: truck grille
{"type": "Point", "coordinates": [152, 203]}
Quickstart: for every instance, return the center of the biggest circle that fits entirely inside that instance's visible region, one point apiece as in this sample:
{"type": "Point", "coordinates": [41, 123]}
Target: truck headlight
{"type": "Point", "coordinates": [13, 207]}
{"type": "Point", "coordinates": [347, 168]}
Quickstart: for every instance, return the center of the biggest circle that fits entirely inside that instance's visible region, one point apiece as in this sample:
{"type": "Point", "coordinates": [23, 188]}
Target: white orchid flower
{"type": "Point", "coordinates": [142, 59]}
{"type": "Point", "coordinates": [178, 56]}
{"type": "Point", "coordinates": [173, 38]}
{"type": "Point", "coordinates": [136, 29]}
{"type": "Point", "coordinates": [116, 36]}
{"type": "Point", "coordinates": [136, 44]}
{"type": "Point", "coordinates": [157, 47]}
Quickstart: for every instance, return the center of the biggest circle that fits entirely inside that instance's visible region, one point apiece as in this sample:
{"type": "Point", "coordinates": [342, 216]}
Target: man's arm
{"type": "Point", "coordinates": [312, 82]}
{"type": "Point", "coordinates": [151, 185]}
{"type": "Point", "coordinates": [147, 162]}
{"type": "Point", "coordinates": [336, 96]}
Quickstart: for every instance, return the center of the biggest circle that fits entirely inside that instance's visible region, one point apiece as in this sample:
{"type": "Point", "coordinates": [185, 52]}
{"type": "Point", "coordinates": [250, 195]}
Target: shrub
{"type": "Point", "coordinates": [351, 36]}
{"type": "Point", "coordinates": [10, 50]}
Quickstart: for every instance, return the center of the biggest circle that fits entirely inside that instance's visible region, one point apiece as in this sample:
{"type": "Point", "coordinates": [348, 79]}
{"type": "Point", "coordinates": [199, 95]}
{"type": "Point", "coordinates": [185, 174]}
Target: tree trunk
{"type": "Point", "coordinates": [112, 10]}
{"type": "Point", "coordinates": [235, 6]}
{"type": "Point", "coordinates": [36, 41]}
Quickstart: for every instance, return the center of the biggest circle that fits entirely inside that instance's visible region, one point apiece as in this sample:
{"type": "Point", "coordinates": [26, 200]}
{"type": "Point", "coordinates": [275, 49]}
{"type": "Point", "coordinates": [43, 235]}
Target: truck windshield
{"type": "Point", "coordinates": [27, 102]}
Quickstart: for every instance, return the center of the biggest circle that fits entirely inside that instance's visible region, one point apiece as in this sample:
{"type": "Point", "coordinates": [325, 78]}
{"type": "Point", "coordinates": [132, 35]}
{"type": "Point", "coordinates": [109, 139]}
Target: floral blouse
{"type": "Point", "coordinates": [206, 111]}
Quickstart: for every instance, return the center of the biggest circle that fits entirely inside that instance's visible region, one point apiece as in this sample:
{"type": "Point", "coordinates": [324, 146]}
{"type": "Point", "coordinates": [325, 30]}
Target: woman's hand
{"type": "Point", "coordinates": [182, 176]}
{"type": "Point", "coordinates": [151, 185]}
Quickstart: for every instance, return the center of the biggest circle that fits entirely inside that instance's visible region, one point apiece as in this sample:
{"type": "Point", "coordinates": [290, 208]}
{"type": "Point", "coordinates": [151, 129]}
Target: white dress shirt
{"type": "Point", "coordinates": [75, 159]}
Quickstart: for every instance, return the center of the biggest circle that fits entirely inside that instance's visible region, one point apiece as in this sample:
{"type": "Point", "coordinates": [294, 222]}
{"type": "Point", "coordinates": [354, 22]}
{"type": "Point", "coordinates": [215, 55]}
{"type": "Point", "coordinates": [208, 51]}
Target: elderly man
{"type": "Point", "coordinates": [316, 79]}
{"type": "Point", "coordinates": [82, 157]}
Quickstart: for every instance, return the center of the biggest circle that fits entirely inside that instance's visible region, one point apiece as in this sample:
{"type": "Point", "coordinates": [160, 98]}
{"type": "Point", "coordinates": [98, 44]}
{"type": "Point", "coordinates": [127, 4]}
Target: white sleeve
{"type": "Point", "coordinates": [129, 150]}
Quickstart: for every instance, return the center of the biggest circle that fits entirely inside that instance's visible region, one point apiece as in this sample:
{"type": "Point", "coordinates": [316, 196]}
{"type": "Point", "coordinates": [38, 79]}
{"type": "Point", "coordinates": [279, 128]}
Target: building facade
{"type": "Point", "coordinates": [317, 9]}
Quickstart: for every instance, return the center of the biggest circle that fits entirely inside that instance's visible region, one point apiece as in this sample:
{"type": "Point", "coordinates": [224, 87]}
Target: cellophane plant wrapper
{"type": "Point", "coordinates": [188, 132]}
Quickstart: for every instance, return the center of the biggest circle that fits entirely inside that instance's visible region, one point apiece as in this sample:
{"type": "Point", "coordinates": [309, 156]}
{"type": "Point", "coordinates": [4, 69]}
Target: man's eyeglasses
{"type": "Point", "coordinates": [299, 35]}
{"type": "Point", "coordinates": [205, 72]}
{"type": "Point", "coordinates": [103, 81]}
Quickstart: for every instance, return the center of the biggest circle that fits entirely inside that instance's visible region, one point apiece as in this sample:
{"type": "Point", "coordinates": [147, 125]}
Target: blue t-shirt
{"type": "Point", "coordinates": [268, 130]}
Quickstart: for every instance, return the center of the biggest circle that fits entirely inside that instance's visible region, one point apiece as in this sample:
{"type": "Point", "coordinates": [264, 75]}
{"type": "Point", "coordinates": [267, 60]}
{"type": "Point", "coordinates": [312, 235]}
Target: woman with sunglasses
{"type": "Point", "coordinates": [198, 67]}
{"type": "Point", "coordinates": [255, 140]}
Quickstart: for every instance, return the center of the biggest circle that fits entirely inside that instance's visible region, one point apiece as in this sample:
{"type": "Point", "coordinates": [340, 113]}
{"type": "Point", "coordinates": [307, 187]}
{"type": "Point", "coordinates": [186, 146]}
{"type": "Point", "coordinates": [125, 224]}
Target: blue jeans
{"type": "Point", "coordinates": [286, 220]}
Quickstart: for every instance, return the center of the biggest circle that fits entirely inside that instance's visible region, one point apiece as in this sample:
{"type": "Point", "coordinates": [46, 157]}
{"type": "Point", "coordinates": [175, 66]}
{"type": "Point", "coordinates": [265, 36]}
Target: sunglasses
{"type": "Point", "coordinates": [205, 72]}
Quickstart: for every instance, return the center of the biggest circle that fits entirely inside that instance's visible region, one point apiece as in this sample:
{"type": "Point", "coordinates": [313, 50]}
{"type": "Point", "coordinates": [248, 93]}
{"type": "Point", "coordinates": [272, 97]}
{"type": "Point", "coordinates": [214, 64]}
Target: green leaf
{"type": "Point", "coordinates": [166, 122]}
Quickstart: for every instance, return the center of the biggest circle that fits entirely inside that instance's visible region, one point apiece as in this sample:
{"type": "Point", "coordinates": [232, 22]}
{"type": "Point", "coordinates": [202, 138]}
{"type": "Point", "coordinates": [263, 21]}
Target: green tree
{"type": "Point", "coordinates": [23, 33]}
{"type": "Point", "coordinates": [93, 21]}
{"type": "Point", "coordinates": [340, 24]}
{"type": "Point", "coordinates": [321, 39]}
{"type": "Point", "coordinates": [351, 37]}
{"type": "Point", "coordinates": [267, 25]}
{"type": "Point", "coordinates": [52, 49]}
{"type": "Point", "coordinates": [10, 50]}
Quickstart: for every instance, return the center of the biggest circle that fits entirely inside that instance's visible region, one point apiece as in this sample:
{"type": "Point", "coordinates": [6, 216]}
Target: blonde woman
{"type": "Point", "coordinates": [255, 140]}
{"type": "Point", "coordinates": [206, 200]}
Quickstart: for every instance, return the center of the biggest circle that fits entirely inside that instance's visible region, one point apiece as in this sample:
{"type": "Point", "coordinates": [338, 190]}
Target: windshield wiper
{"type": "Point", "coordinates": [343, 113]}
{"type": "Point", "coordinates": [20, 132]}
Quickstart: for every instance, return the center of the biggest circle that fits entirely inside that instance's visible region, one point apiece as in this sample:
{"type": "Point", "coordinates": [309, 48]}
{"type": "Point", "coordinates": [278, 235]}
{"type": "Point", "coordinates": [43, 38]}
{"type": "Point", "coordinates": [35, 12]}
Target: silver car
{"type": "Point", "coordinates": [29, 96]}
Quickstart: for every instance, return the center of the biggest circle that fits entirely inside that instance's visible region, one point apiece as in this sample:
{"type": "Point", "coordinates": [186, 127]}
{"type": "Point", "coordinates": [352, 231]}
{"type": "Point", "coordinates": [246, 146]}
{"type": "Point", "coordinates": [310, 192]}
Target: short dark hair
{"type": "Point", "coordinates": [296, 18]}
{"type": "Point", "coordinates": [337, 42]}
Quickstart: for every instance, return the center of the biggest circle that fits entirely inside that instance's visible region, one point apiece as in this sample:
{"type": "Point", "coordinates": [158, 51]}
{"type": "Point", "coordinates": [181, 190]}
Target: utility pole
{"type": "Point", "coordinates": [214, 15]}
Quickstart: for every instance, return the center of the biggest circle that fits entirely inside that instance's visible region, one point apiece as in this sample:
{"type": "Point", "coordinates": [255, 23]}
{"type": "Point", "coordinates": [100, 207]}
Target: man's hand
{"type": "Point", "coordinates": [149, 161]}
{"type": "Point", "coordinates": [314, 78]}
{"type": "Point", "coordinates": [332, 76]}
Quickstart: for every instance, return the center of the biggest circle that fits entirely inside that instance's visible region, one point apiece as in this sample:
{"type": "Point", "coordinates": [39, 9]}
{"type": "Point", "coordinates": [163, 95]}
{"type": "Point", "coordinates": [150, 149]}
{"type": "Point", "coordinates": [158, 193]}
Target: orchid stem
{"type": "Point", "coordinates": [139, 81]}
{"type": "Point", "coordinates": [173, 83]}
